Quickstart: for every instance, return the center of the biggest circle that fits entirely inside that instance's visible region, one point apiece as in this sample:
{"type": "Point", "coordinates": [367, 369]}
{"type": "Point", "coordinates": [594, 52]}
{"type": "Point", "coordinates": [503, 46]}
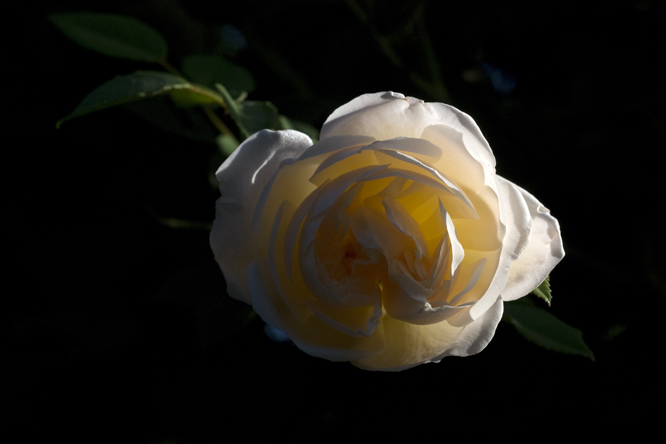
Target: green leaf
{"type": "Point", "coordinates": [259, 115]}
{"type": "Point", "coordinates": [141, 85]}
{"type": "Point", "coordinates": [543, 291]}
{"type": "Point", "coordinates": [545, 330]}
{"type": "Point", "coordinates": [250, 116]}
{"type": "Point", "coordinates": [226, 144]}
{"type": "Point", "coordinates": [209, 70]}
{"type": "Point", "coordinates": [230, 103]}
{"type": "Point", "coordinates": [113, 35]}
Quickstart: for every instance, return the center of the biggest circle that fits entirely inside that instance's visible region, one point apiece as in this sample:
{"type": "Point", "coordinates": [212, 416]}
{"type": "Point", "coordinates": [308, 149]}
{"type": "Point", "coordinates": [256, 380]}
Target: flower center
{"type": "Point", "coordinates": [369, 235]}
{"type": "Point", "coordinates": [338, 259]}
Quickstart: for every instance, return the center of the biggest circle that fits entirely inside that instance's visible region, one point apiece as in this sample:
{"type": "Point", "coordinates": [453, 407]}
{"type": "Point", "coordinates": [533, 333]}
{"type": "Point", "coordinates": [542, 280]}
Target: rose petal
{"type": "Point", "coordinates": [459, 164]}
{"type": "Point", "coordinates": [245, 173]}
{"type": "Point", "coordinates": [293, 295]}
{"type": "Point", "coordinates": [408, 345]}
{"type": "Point", "coordinates": [312, 336]}
{"type": "Point", "coordinates": [387, 115]}
{"type": "Point", "coordinates": [516, 218]}
{"type": "Point", "coordinates": [412, 146]}
{"type": "Point", "coordinates": [544, 251]}
{"type": "Point", "coordinates": [242, 178]}
{"type": "Point", "coordinates": [400, 302]}
{"type": "Point", "coordinates": [405, 223]}
{"type": "Point", "coordinates": [335, 143]}
{"type": "Point", "coordinates": [355, 321]}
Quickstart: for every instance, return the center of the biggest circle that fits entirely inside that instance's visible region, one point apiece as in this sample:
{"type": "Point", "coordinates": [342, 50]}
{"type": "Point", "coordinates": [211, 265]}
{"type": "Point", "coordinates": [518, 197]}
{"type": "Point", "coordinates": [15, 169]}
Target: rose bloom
{"type": "Point", "coordinates": [389, 243]}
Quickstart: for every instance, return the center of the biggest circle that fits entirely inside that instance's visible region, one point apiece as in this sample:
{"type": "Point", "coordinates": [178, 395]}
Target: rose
{"type": "Point", "coordinates": [389, 243]}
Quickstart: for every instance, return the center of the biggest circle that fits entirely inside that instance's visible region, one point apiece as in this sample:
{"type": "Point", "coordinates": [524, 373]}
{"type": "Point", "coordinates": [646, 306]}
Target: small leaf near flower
{"type": "Point", "coordinates": [250, 116]}
{"type": "Point", "coordinates": [545, 330]}
{"type": "Point", "coordinates": [209, 70]}
{"type": "Point", "coordinates": [259, 115]}
{"type": "Point", "coordinates": [113, 35]}
{"type": "Point", "coordinates": [543, 291]}
{"type": "Point", "coordinates": [226, 144]}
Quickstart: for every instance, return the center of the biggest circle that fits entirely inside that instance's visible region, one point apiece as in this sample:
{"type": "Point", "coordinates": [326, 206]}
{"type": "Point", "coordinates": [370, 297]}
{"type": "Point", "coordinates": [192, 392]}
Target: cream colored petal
{"type": "Point", "coordinates": [472, 281]}
{"type": "Point", "coordinates": [543, 252]}
{"type": "Point", "coordinates": [245, 173]}
{"type": "Point", "coordinates": [293, 229]}
{"type": "Point", "coordinates": [408, 345]}
{"type": "Point", "coordinates": [415, 147]}
{"type": "Point", "coordinates": [342, 158]}
{"type": "Point", "coordinates": [455, 189]}
{"type": "Point", "coordinates": [457, 250]}
{"type": "Point", "coordinates": [405, 223]}
{"type": "Point", "coordinates": [329, 193]}
{"type": "Point", "coordinates": [336, 296]}
{"type": "Point", "coordinates": [387, 115]}
{"type": "Point", "coordinates": [363, 116]}
{"type": "Point", "coordinates": [374, 232]}
{"type": "Point", "coordinates": [292, 292]}
{"type": "Point", "coordinates": [458, 162]}
{"type": "Point", "coordinates": [515, 229]}
{"type": "Point", "coordinates": [401, 303]}
{"type": "Point", "coordinates": [335, 143]}
{"type": "Point", "coordinates": [454, 205]}
{"type": "Point", "coordinates": [242, 178]}
{"type": "Point", "coordinates": [476, 178]}
{"type": "Point", "coordinates": [324, 212]}
{"type": "Point", "coordinates": [354, 321]}
{"type": "Point", "coordinates": [398, 238]}
{"type": "Point", "coordinates": [515, 219]}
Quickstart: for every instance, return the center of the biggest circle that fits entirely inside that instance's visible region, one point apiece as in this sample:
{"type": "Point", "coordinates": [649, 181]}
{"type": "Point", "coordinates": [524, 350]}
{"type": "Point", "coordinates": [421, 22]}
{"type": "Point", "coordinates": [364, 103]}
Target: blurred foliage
{"type": "Point", "coordinates": [545, 330]}
{"type": "Point", "coordinates": [209, 70]}
{"type": "Point", "coordinates": [127, 37]}
{"type": "Point", "coordinates": [113, 35]}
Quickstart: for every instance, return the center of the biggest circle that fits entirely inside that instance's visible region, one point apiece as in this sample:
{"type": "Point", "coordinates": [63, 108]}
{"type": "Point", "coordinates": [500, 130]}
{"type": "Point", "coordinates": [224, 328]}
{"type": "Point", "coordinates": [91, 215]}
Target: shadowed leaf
{"type": "Point", "coordinates": [545, 330]}
{"type": "Point", "coordinates": [250, 116]}
{"type": "Point", "coordinates": [140, 85]}
{"type": "Point", "coordinates": [113, 35]}
{"type": "Point", "coordinates": [209, 70]}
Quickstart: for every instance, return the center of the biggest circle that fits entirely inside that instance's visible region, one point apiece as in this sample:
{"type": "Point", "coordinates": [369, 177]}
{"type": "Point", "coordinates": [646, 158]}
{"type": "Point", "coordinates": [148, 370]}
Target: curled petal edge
{"type": "Point", "coordinates": [242, 177]}
{"type": "Point", "coordinates": [406, 347]}
{"type": "Point", "coordinates": [542, 254]}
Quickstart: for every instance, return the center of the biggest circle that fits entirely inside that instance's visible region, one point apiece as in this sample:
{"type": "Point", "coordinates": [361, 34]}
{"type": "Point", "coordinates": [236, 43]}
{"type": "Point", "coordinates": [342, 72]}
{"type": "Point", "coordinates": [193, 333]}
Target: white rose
{"type": "Point", "coordinates": [389, 243]}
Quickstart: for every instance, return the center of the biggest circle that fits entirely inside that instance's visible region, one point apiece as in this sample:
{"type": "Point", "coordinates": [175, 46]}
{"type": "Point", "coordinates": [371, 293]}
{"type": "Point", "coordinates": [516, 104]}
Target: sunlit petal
{"type": "Point", "coordinates": [543, 252]}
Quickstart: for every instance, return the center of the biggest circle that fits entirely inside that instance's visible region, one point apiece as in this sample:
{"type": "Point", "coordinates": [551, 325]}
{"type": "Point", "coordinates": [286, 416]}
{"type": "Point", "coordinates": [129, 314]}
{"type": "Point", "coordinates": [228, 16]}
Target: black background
{"type": "Point", "coordinates": [116, 327]}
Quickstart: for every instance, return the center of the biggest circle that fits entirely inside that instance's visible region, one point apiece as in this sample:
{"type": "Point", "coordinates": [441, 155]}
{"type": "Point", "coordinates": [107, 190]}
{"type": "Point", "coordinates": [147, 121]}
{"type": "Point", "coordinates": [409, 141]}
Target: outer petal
{"type": "Point", "coordinates": [408, 345]}
{"type": "Point", "coordinates": [516, 219]}
{"type": "Point", "coordinates": [543, 252]}
{"type": "Point", "coordinates": [387, 115]}
{"type": "Point", "coordinates": [242, 178]}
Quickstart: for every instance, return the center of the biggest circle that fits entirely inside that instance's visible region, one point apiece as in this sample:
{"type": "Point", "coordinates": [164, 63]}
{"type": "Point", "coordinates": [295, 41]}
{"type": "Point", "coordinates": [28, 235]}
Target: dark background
{"type": "Point", "coordinates": [116, 326]}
